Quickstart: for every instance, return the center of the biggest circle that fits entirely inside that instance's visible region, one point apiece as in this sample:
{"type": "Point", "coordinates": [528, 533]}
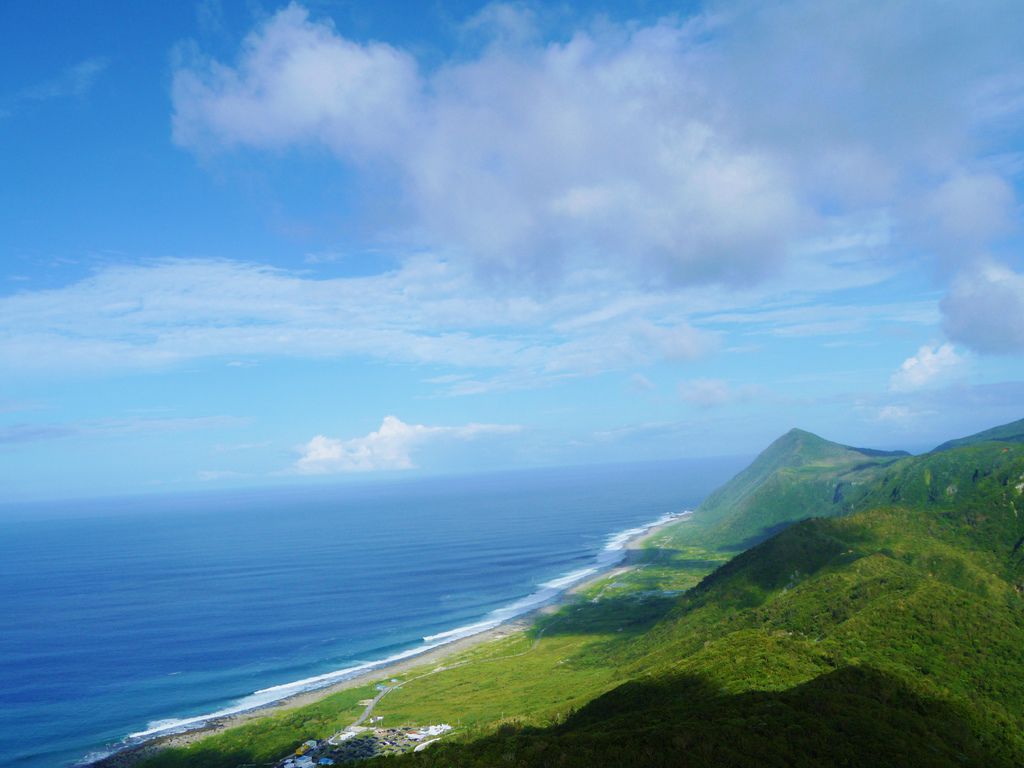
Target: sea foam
{"type": "Point", "coordinates": [613, 552]}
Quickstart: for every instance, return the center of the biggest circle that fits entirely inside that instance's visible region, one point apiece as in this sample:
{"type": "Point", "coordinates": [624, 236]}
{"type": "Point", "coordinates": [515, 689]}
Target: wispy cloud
{"type": "Point", "coordinates": [712, 393]}
{"type": "Point", "coordinates": [31, 433]}
{"type": "Point", "coordinates": [425, 312]}
{"type": "Point", "coordinates": [74, 82]}
{"type": "Point", "coordinates": [165, 424]}
{"type": "Point", "coordinates": [828, 319]}
{"type": "Point", "coordinates": [389, 448]}
{"type": "Point", "coordinates": [18, 406]}
{"type": "Point", "coordinates": [216, 475]}
{"type": "Point", "coordinates": [98, 428]}
{"type": "Point", "coordinates": [235, 447]}
{"type": "Point", "coordinates": [640, 383]}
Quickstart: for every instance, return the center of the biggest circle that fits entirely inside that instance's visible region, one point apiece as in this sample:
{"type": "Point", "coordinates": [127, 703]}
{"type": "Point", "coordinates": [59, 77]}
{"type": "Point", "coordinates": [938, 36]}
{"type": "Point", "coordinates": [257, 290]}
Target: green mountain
{"type": "Point", "coordinates": [798, 476]}
{"type": "Point", "coordinates": [889, 637]}
{"type": "Point", "coordinates": [1007, 433]}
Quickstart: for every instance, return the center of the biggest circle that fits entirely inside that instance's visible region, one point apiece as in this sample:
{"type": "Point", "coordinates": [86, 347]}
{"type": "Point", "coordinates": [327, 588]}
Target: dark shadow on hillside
{"type": "Point", "coordinates": [801, 550]}
{"type": "Point", "coordinates": [851, 717]}
{"type": "Point", "coordinates": [667, 558]}
{"type": "Point", "coordinates": [626, 615]}
{"type": "Point", "coordinates": [763, 535]}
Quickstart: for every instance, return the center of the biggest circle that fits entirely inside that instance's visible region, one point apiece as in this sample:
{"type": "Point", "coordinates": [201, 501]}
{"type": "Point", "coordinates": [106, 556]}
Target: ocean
{"type": "Point", "coordinates": [128, 617]}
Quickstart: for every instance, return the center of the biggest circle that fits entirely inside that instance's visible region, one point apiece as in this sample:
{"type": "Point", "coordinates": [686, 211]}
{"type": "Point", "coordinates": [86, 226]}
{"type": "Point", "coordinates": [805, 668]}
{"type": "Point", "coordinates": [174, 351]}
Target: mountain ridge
{"type": "Point", "coordinates": [1012, 433]}
{"type": "Point", "coordinates": [887, 636]}
{"type": "Point", "coordinates": [798, 475]}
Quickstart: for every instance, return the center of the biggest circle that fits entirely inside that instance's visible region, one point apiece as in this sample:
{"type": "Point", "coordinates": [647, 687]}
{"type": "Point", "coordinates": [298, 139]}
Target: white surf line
{"type": "Point", "coordinates": [613, 552]}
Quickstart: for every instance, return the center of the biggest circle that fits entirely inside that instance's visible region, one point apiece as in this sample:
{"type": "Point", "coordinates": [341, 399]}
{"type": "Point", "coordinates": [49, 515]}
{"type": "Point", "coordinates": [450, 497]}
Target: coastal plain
{"type": "Point", "coordinates": [829, 606]}
{"type": "Point", "coordinates": [472, 668]}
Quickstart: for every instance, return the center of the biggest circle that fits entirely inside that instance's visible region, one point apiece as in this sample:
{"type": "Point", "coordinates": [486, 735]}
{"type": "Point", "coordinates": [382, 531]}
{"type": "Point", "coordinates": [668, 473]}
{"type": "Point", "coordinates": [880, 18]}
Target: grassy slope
{"type": "Point", "coordinates": [896, 631]}
{"type": "Point", "coordinates": [890, 637]}
{"type": "Point", "coordinates": [798, 476]}
{"type": "Point", "coordinates": [1009, 433]}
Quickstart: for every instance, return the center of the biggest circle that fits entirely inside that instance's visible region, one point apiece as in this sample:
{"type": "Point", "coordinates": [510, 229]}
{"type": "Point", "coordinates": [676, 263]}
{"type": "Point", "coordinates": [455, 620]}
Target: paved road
{"type": "Point", "coordinates": [369, 708]}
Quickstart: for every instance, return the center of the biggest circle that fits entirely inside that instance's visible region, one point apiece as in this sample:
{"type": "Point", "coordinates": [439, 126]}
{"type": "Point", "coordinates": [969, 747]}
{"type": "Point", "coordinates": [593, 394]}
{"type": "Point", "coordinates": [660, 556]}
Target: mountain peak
{"type": "Point", "coordinates": [772, 490]}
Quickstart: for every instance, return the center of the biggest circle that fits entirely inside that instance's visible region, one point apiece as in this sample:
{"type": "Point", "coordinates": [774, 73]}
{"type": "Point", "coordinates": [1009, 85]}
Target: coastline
{"type": "Point", "coordinates": [130, 756]}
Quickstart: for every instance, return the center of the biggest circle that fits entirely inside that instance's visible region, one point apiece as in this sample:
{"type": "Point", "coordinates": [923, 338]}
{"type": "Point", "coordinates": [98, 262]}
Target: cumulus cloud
{"type": "Point", "coordinates": [984, 309]}
{"type": "Point", "coordinates": [687, 150]}
{"type": "Point", "coordinates": [523, 157]}
{"type": "Point", "coordinates": [298, 81]}
{"type": "Point", "coordinates": [931, 365]}
{"type": "Point", "coordinates": [711, 393]}
{"type": "Point", "coordinates": [389, 448]}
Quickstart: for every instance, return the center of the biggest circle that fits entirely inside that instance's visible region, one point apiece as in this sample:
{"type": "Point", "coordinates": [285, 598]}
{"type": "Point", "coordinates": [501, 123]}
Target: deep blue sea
{"type": "Point", "coordinates": [129, 616]}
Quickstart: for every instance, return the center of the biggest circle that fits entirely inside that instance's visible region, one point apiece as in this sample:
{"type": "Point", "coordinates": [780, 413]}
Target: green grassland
{"type": "Point", "coordinates": [889, 630]}
{"type": "Point", "coordinates": [565, 660]}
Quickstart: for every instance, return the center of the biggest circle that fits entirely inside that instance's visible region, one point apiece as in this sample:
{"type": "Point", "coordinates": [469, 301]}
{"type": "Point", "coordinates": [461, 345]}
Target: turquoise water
{"type": "Point", "coordinates": [135, 616]}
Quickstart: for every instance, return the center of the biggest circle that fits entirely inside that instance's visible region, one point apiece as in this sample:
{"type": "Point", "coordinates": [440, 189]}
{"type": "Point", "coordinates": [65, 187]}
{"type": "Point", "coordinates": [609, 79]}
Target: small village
{"type": "Point", "coordinates": [359, 743]}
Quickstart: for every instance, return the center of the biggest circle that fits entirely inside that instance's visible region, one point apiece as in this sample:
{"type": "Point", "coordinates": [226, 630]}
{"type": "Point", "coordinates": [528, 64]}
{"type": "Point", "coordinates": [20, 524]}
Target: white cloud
{"type": "Point", "coordinates": [831, 319]}
{"type": "Point", "coordinates": [689, 150]}
{"type": "Point", "coordinates": [712, 393]}
{"type": "Point", "coordinates": [984, 309]}
{"type": "Point", "coordinates": [389, 448]}
{"type": "Point", "coordinates": [427, 311]}
{"type": "Point", "coordinates": [298, 81]}
{"type": "Point", "coordinates": [931, 365]}
{"type": "Point", "coordinates": [524, 157]}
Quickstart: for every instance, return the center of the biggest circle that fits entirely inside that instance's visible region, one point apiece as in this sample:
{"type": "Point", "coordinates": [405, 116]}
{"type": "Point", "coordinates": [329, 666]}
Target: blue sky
{"type": "Point", "coordinates": [247, 243]}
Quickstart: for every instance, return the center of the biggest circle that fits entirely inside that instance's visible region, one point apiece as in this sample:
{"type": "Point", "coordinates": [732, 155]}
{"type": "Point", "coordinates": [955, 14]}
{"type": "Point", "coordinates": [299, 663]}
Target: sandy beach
{"type": "Point", "coordinates": [132, 756]}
